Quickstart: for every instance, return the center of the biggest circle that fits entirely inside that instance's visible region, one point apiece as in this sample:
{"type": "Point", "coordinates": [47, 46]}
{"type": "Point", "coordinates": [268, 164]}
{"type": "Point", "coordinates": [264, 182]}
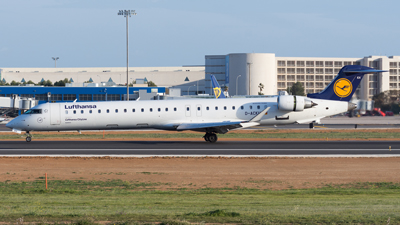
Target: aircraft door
{"type": "Point", "coordinates": [55, 114]}
{"type": "Point", "coordinates": [187, 110]}
{"type": "Point", "coordinates": [198, 110]}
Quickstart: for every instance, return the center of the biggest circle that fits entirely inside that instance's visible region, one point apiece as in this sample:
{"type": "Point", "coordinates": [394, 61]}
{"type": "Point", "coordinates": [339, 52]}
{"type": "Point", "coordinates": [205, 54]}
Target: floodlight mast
{"type": "Point", "coordinates": [127, 13]}
{"type": "Point", "coordinates": [55, 61]}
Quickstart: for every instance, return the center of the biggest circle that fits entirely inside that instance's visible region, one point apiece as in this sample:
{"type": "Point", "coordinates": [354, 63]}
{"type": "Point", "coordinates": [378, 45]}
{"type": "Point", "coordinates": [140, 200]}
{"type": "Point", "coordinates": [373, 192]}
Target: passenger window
{"type": "Point", "coordinates": [241, 107]}
{"type": "Point", "coordinates": [133, 110]}
{"type": "Point", "coordinates": [99, 111]}
{"type": "Point", "coordinates": [108, 111]}
{"type": "Point", "coordinates": [90, 111]}
{"type": "Point", "coordinates": [258, 107]}
{"type": "Point", "coordinates": [142, 110]}
{"type": "Point", "coordinates": [208, 108]}
{"type": "Point", "coordinates": [116, 110]}
{"type": "Point", "coordinates": [233, 107]}
{"type": "Point", "coordinates": [74, 111]}
{"type": "Point", "coordinates": [187, 108]}
{"type": "Point", "coordinates": [159, 109]}
{"type": "Point", "coordinates": [251, 107]}
{"type": "Point", "coordinates": [166, 109]}
{"type": "Point", "coordinates": [125, 110]}
{"type": "Point", "coordinates": [224, 107]}
{"type": "Point", "coordinates": [151, 109]}
{"type": "Point", "coordinates": [216, 107]}
{"type": "Point", "coordinates": [175, 109]}
{"type": "Point", "coordinates": [66, 111]}
{"type": "Point", "coordinates": [81, 111]}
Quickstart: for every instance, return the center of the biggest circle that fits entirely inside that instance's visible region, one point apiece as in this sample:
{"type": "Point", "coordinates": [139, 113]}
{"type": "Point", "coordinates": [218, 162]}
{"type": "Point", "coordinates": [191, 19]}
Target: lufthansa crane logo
{"type": "Point", "coordinates": [217, 92]}
{"type": "Point", "coordinates": [343, 87]}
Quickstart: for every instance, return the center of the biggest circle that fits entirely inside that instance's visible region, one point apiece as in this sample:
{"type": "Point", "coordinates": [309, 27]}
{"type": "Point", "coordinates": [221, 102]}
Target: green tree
{"type": "Point", "coordinates": [61, 83]}
{"type": "Point", "coordinates": [46, 83]}
{"type": "Point", "coordinates": [151, 84]}
{"type": "Point", "coordinates": [14, 83]}
{"type": "Point", "coordinates": [296, 89]}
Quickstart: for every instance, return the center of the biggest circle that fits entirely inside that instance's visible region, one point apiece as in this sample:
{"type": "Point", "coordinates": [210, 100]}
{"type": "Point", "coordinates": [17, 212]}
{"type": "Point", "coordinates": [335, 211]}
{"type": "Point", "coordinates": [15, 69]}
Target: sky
{"type": "Point", "coordinates": [89, 33]}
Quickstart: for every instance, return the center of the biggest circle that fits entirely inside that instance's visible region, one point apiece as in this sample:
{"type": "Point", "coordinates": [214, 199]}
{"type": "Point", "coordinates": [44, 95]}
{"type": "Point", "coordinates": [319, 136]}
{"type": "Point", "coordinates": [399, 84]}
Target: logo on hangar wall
{"type": "Point", "coordinates": [343, 87]}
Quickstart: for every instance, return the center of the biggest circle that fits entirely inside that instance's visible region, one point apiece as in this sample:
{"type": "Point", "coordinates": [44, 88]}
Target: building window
{"type": "Point", "coordinates": [39, 97]}
{"type": "Point", "coordinates": [310, 70]}
{"type": "Point", "coordinates": [56, 97]}
{"type": "Point", "coordinates": [291, 71]}
{"type": "Point", "coordinates": [310, 77]}
{"type": "Point", "coordinates": [338, 64]}
{"type": "Point", "coordinates": [328, 64]}
{"type": "Point", "coordinates": [319, 71]}
{"type": "Point", "coordinates": [300, 77]}
{"type": "Point", "coordinates": [99, 97]}
{"type": "Point", "coordinates": [281, 70]}
{"type": "Point", "coordinates": [300, 63]}
{"type": "Point", "coordinates": [328, 71]}
{"type": "Point", "coordinates": [281, 85]}
{"type": "Point", "coordinates": [309, 85]}
{"type": "Point", "coordinates": [337, 71]}
{"type": "Point", "coordinates": [319, 78]}
{"type": "Point", "coordinates": [328, 78]}
{"type": "Point", "coordinates": [346, 63]}
{"type": "Point", "coordinates": [281, 77]}
{"type": "Point", "coordinates": [290, 63]}
{"type": "Point", "coordinates": [113, 97]}
{"type": "Point", "coordinates": [69, 97]}
{"type": "Point", "coordinates": [85, 97]}
{"type": "Point", "coordinates": [27, 95]}
{"type": "Point", "coordinates": [319, 85]}
{"type": "Point", "coordinates": [291, 77]}
{"type": "Point", "coordinates": [319, 63]}
{"type": "Point", "coordinates": [393, 64]}
{"type": "Point", "coordinates": [281, 63]}
{"type": "Point", "coordinates": [300, 70]}
{"type": "Point", "coordinates": [393, 78]}
{"type": "Point", "coordinates": [392, 72]}
{"type": "Point", "coordinates": [310, 63]}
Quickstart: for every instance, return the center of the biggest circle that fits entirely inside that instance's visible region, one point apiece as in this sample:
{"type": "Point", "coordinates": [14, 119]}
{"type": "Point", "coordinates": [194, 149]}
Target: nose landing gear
{"type": "Point", "coordinates": [210, 137]}
{"type": "Point", "coordinates": [28, 137]}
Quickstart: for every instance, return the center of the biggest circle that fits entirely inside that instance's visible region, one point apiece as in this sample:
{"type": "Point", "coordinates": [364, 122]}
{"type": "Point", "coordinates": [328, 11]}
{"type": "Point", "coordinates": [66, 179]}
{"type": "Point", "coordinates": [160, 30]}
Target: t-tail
{"type": "Point", "coordinates": [216, 88]}
{"type": "Point", "coordinates": [345, 83]}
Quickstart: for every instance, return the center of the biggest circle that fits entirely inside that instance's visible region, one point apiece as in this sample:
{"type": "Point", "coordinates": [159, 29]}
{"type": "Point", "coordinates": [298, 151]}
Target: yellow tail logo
{"type": "Point", "coordinates": [217, 92]}
{"type": "Point", "coordinates": [343, 87]}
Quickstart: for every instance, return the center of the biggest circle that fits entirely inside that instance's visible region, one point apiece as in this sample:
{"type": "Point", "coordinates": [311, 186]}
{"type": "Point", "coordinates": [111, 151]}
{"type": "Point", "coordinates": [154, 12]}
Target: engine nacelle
{"type": "Point", "coordinates": [294, 103]}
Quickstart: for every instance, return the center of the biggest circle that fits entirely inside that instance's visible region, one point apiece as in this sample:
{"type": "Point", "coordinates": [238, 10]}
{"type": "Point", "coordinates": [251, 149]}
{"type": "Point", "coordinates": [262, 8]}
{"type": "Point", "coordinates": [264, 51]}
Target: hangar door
{"type": "Point", "coordinates": [55, 114]}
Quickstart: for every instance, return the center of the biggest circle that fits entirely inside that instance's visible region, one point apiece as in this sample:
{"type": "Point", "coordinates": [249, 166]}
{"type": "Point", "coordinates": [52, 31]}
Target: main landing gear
{"type": "Point", "coordinates": [28, 137]}
{"type": "Point", "coordinates": [210, 137]}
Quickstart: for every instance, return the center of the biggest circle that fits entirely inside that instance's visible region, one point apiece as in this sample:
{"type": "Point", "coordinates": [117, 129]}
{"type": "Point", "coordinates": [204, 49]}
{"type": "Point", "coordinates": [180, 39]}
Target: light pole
{"type": "Point", "coordinates": [55, 61]}
{"type": "Point", "coordinates": [237, 78]}
{"type": "Point", "coordinates": [127, 13]}
{"type": "Point", "coordinates": [249, 64]}
{"type": "Point", "coordinates": [189, 88]}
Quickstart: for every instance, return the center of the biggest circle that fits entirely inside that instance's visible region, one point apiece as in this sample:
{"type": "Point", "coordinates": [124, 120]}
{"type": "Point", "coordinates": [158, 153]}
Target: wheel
{"type": "Point", "coordinates": [212, 138]}
{"type": "Point", "coordinates": [28, 139]}
{"type": "Point", "coordinates": [207, 137]}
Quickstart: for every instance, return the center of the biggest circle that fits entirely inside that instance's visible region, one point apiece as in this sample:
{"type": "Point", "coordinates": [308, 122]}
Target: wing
{"type": "Point", "coordinates": [223, 127]}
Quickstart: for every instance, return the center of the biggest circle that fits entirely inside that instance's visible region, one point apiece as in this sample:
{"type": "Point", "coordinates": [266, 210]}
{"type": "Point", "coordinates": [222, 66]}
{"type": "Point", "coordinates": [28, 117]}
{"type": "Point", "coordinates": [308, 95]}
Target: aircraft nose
{"type": "Point", "coordinates": [12, 124]}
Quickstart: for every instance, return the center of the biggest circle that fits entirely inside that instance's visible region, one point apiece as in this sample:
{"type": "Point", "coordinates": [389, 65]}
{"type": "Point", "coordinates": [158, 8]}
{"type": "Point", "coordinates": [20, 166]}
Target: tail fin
{"type": "Point", "coordinates": [345, 83]}
{"type": "Point", "coordinates": [217, 89]}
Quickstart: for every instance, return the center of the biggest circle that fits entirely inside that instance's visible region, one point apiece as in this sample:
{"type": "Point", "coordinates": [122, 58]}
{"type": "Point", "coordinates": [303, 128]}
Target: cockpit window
{"type": "Point", "coordinates": [34, 111]}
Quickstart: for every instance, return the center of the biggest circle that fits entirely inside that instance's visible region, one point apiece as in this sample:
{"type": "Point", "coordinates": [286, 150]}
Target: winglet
{"type": "Point", "coordinates": [217, 89]}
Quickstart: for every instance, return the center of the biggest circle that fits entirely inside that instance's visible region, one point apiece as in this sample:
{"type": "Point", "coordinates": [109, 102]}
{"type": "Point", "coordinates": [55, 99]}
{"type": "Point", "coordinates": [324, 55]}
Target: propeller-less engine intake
{"type": "Point", "coordinates": [294, 103]}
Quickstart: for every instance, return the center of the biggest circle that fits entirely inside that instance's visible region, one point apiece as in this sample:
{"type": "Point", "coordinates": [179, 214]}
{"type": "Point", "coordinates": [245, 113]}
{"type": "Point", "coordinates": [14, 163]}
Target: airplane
{"type": "Point", "coordinates": [2, 119]}
{"type": "Point", "coordinates": [212, 116]}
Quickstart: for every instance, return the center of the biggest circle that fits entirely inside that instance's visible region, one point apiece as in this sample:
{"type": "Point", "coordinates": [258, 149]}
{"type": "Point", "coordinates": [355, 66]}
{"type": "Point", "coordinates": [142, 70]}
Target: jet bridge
{"type": "Point", "coordinates": [10, 104]}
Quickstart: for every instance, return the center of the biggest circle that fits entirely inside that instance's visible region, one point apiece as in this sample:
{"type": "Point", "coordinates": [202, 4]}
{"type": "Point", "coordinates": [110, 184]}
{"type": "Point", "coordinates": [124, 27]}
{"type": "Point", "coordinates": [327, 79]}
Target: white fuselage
{"type": "Point", "coordinates": [166, 114]}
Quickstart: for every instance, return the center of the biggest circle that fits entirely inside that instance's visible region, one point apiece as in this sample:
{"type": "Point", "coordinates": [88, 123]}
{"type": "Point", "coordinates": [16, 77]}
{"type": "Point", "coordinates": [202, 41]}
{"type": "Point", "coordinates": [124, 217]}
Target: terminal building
{"type": "Point", "coordinates": [241, 73]}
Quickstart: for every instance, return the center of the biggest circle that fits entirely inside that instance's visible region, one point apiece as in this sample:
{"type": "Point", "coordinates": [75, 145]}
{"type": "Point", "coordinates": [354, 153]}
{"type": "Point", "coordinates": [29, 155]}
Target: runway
{"type": "Point", "coordinates": [187, 148]}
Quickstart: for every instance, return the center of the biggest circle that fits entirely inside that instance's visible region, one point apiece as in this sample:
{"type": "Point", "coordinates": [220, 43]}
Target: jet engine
{"type": "Point", "coordinates": [294, 103]}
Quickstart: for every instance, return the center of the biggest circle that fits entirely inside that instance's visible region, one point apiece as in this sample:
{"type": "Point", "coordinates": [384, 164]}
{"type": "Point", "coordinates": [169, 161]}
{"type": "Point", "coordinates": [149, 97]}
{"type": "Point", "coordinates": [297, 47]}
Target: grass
{"type": "Point", "coordinates": [123, 202]}
{"type": "Point", "coordinates": [261, 134]}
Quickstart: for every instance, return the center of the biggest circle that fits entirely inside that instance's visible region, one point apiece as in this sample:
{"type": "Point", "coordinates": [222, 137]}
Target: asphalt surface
{"type": "Point", "coordinates": [200, 148]}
